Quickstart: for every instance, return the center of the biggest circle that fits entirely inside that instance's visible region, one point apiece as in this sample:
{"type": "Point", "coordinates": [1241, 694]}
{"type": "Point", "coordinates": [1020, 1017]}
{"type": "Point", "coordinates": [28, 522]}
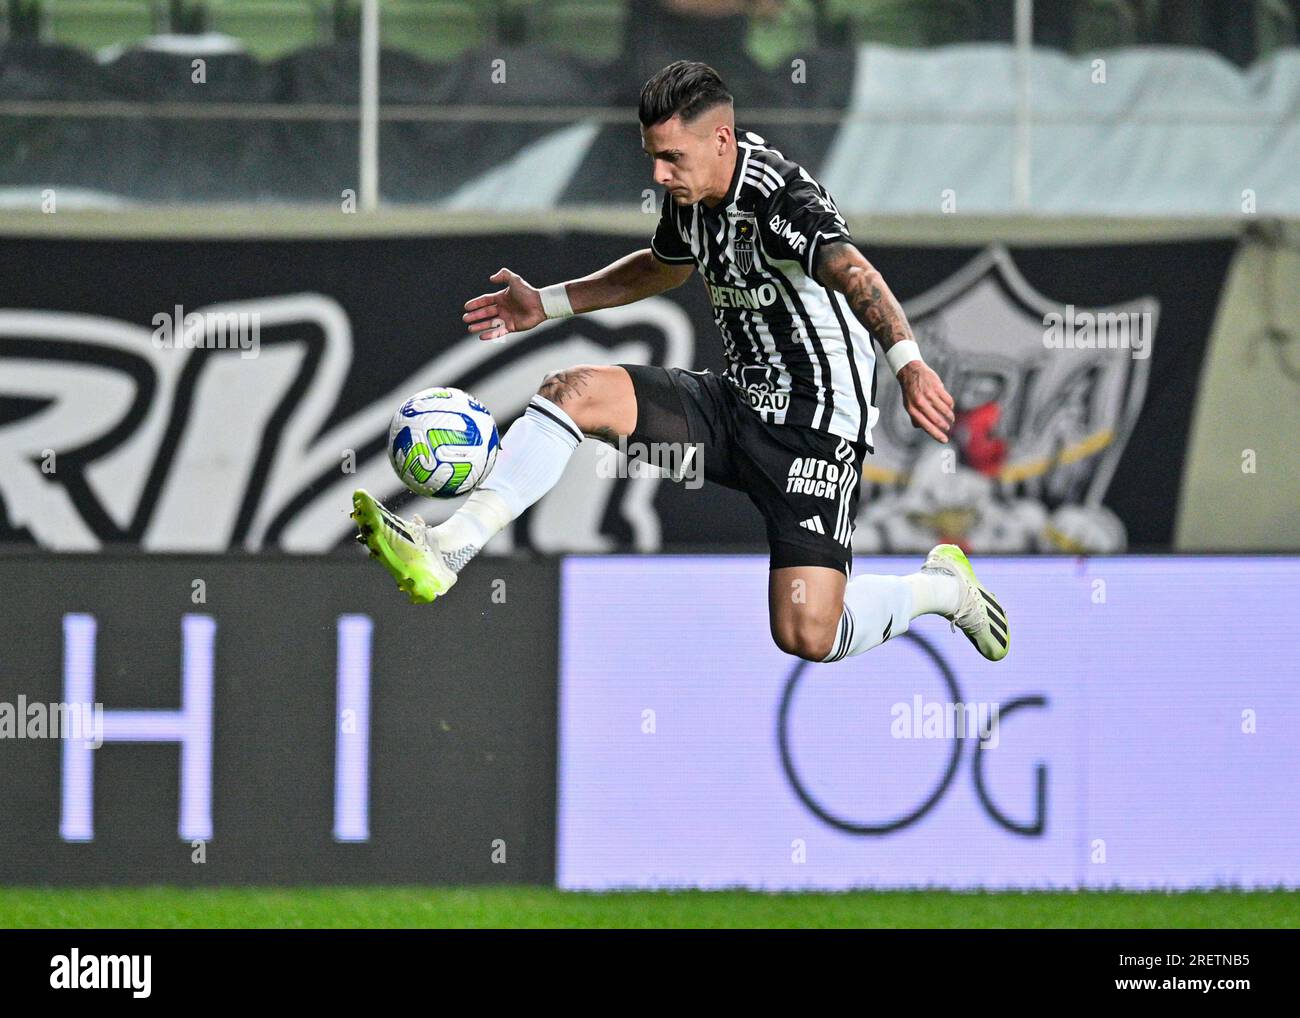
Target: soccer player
{"type": "Point", "coordinates": [789, 421]}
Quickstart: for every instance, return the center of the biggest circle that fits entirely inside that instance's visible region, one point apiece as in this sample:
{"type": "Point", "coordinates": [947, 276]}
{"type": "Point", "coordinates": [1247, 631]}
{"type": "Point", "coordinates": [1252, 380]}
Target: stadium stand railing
{"type": "Point", "coordinates": [442, 30]}
{"type": "Point", "coordinates": [118, 70]}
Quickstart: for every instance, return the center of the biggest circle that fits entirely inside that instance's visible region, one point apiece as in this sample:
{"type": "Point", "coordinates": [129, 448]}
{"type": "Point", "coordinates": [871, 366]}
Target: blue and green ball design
{"type": "Point", "coordinates": [442, 443]}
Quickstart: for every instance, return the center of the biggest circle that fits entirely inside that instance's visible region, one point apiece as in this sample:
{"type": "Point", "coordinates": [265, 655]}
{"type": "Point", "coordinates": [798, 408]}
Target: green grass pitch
{"type": "Point", "coordinates": [345, 907]}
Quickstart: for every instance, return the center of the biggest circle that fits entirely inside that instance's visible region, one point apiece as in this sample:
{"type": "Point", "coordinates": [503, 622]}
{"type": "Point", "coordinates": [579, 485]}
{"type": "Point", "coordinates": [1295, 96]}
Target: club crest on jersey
{"type": "Point", "coordinates": [744, 226]}
{"type": "Point", "coordinates": [759, 383]}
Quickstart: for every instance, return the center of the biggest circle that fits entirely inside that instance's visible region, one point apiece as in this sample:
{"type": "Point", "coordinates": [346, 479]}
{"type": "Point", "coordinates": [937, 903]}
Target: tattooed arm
{"type": "Point", "coordinates": [841, 266]}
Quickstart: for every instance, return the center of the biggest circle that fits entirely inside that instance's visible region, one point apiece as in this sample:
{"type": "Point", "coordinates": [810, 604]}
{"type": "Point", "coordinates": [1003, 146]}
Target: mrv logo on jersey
{"type": "Point", "coordinates": [783, 229]}
{"type": "Point", "coordinates": [741, 297]}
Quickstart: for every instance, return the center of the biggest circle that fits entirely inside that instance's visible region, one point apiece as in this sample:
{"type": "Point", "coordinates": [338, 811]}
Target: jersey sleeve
{"type": "Point", "coordinates": [799, 219]}
{"type": "Point", "coordinates": [667, 244]}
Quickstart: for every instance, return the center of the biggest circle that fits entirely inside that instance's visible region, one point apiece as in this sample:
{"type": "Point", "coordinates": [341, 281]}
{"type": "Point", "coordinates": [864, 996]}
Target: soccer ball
{"type": "Point", "coordinates": [442, 443]}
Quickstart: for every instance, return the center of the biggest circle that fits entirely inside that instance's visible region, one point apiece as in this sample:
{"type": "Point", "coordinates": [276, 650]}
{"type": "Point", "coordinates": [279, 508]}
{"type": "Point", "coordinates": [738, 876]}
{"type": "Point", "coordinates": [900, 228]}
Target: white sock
{"type": "Point", "coordinates": [875, 608]}
{"type": "Point", "coordinates": [534, 453]}
{"type": "Point", "coordinates": [878, 608]}
{"type": "Point", "coordinates": [933, 593]}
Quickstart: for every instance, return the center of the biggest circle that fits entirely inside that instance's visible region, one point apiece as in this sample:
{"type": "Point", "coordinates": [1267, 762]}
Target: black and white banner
{"type": "Point", "coordinates": [206, 396]}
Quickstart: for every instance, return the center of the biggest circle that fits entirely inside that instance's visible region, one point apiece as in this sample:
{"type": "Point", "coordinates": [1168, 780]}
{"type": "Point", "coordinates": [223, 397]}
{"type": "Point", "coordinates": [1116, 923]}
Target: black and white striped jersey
{"type": "Point", "coordinates": [793, 347]}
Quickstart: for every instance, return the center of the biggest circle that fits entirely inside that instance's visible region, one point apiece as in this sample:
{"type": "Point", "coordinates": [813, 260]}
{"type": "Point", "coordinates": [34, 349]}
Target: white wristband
{"type": "Point", "coordinates": [555, 301]}
{"type": "Point", "coordinates": [902, 353]}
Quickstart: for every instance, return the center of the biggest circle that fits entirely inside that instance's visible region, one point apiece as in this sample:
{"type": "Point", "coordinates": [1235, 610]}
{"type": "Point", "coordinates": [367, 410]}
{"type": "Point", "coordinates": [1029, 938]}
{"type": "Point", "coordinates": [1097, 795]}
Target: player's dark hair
{"type": "Point", "coordinates": [684, 86]}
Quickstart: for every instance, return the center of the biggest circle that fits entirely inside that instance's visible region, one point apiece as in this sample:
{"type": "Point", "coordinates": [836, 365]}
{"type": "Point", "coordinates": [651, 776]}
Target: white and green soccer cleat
{"type": "Point", "coordinates": [980, 616]}
{"type": "Point", "coordinates": [407, 550]}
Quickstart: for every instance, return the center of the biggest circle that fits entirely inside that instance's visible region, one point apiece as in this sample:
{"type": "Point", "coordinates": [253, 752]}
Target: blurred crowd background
{"type": "Point", "coordinates": [257, 100]}
{"type": "Point", "coordinates": [613, 31]}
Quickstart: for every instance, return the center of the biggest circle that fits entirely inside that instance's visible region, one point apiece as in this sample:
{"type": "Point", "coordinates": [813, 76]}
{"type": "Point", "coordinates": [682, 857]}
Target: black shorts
{"type": "Point", "coordinates": [804, 482]}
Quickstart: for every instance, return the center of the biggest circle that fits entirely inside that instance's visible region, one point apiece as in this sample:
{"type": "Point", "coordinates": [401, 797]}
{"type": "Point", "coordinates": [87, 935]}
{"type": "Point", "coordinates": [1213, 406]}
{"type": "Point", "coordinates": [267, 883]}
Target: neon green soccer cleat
{"type": "Point", "coordinates": [402, 548]}
{"type": "Point", "coordinates": [980, 617]}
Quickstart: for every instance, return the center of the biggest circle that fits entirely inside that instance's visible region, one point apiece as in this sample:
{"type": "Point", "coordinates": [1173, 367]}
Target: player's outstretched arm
{"type": "Point", "coordinates": [519, 306]}
{"type": "Point", "coordinates": [842, 267]}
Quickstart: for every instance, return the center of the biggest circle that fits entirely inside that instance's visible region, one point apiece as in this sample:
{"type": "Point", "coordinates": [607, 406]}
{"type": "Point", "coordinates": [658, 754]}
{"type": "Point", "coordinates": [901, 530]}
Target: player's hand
{"type": "Point", "coordinates": [517, 308]}
{"type": "Point", "coordinates": [926, 400]}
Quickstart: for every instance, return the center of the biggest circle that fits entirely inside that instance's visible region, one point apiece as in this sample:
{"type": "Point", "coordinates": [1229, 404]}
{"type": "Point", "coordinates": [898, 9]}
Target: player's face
{"type": "Point", "coordinates": [685, 158]}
